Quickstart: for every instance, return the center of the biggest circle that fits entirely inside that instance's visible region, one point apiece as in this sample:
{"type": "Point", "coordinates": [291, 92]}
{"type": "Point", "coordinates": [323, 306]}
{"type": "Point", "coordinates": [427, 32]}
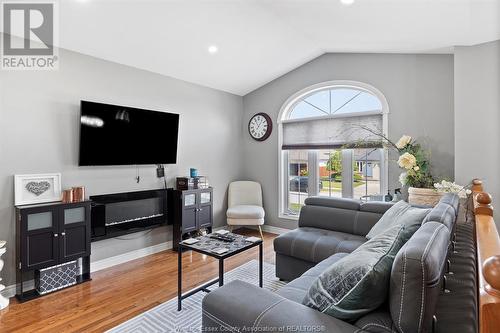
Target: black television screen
{"type": "Point", "coordinates": [120, 135]}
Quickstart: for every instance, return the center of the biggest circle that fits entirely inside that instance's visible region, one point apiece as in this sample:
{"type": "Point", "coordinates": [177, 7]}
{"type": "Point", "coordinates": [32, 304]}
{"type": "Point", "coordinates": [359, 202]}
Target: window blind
{"type": "Point", "coordinates": [333, 132]}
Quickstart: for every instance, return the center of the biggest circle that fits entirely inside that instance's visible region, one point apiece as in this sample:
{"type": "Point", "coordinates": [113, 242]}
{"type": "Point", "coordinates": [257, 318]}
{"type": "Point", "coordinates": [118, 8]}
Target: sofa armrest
{"type": "Point", "coordinates": [242, 307]}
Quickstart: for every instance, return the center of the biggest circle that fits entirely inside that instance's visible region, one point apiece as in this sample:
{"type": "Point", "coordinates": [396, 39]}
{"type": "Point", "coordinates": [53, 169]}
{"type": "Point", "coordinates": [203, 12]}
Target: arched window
{"type": "Point", "coordinates": [327, 144]}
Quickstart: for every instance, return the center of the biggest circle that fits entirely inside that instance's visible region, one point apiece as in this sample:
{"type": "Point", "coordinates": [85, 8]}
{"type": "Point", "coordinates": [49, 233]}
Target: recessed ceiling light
{"type": "Point", "coordinates": [212, 49]}
{"type": "Point", "coordinates": [347, 2]}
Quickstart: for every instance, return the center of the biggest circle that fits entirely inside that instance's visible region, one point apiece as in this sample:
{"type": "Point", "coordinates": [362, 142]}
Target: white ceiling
{"type": "Point", "coordinates": [259, 40]}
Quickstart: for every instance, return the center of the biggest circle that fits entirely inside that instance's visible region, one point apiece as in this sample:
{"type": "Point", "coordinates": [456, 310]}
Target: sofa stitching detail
{"type": "Point", "coordinates": [422, 296]}
{"type": "Point", "coordinates": [313, 253]}
{"type": "Point", "coordinates": [292, 246]}
{"type": "Point", "coordinates": [444, 212]}
{"type": "Point", "coordinates": [261, 315]}
{"type": "Point", "coordinates": [424, 256]}
{"type": "Point", "coordinates": [378, 325]}
{"type": "Point", "coordinates": [431, 240]}
{"type": "Point", "coordinates": [337, 247]}
{"type": "Point", "coordinates": [402, 292]}
{"type": "Point", "coordinates": [220, 321]}
{"type": "Point", "coordinates": [356, 222]}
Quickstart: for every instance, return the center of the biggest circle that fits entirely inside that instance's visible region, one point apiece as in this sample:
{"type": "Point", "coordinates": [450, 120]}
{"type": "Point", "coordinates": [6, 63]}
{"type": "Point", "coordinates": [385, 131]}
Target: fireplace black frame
{"type": "Point", "coordinates": [99, 228]}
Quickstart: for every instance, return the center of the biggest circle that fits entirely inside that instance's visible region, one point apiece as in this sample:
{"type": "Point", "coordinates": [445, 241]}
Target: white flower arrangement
{"type": "Point", "coordinates": [407, 161]}
{"type": "Point", "coordinates": [403, 141]}
{"type": "Point", "coordinates": [451, 187]}
{"type": "Point", "coordinates": [413, 159]}
{"type": "Point", "coordinates": [402, 179]}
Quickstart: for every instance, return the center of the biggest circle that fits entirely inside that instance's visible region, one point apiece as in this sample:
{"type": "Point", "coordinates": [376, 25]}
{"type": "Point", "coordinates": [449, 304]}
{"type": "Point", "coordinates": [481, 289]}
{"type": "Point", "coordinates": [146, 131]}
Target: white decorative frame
{"type": "Point", "coordinates": [22, 196]}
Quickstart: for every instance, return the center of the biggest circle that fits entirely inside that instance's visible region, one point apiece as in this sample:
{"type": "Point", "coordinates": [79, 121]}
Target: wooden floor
{"type": "Point", "coordinates": [119, 293]}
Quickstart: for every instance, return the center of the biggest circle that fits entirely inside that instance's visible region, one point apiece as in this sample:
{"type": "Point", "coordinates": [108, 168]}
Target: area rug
{"type": "Point", "coordinates": [165, 318]}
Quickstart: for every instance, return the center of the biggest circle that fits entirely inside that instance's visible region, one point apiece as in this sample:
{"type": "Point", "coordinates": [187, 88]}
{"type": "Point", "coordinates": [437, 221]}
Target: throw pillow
{"type": "Point", "coordinates": [359, 282]}
{"type": "Point", "coordinates": [400, 213]}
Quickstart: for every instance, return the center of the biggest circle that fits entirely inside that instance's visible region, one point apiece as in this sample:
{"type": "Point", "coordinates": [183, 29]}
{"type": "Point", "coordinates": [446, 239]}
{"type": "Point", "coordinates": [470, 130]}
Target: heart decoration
{"type": "Point", "coordinates": [37, 188]}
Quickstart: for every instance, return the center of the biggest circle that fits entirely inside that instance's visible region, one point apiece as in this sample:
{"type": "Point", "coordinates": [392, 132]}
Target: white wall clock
{"type": "Point", "coordinates": [260, 126]}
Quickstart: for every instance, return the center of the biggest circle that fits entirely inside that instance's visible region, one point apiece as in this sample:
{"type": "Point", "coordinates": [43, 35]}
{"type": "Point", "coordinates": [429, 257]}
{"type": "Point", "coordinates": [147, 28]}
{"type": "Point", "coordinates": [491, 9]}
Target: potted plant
{"type": "Point", "coordinates": [416, 175]}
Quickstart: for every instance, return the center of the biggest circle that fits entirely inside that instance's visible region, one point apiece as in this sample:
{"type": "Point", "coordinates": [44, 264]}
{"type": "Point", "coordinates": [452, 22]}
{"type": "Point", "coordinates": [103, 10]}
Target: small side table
{"type": "Point", "coordinates": [206, 245]}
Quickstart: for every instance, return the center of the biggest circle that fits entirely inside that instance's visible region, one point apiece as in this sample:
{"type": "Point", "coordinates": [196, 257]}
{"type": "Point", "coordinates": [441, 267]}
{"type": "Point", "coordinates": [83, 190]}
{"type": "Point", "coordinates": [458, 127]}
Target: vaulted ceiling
{"type": "Point", "coordinates": [259, 40]}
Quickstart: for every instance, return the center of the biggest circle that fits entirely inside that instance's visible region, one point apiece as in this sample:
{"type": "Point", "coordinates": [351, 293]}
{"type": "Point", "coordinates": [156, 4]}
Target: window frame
{"type": "Point", "coordinates": [288, 106]}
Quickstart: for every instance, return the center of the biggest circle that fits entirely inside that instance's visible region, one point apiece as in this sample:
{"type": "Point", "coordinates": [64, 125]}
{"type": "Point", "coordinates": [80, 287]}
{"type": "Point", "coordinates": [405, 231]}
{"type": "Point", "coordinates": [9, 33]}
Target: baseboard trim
{"type": "Point", "coordinates": [271, 229]}
{"type": "Point", "coordinates": [9, 291]}
{"type": "Point", "coordinates": [128, 256]}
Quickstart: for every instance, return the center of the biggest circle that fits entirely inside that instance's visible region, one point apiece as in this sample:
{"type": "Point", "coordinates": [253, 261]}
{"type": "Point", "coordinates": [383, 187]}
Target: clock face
{"type": "Point", "coordinates": [260, 126]}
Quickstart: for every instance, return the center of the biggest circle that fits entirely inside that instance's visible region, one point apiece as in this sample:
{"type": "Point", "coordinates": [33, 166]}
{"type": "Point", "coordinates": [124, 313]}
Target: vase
{"type": "Point", "coordinates": [423, 196]}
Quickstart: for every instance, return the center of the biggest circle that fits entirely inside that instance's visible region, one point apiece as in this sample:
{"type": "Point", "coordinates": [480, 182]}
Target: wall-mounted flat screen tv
{"type": "Point", "coordinates": [121, 135]}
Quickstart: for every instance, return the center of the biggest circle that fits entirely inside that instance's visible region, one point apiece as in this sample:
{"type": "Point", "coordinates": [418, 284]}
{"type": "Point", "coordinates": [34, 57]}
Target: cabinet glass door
{"type": "Point", "coordinates": [75, 234]}
{"type": "Point", "coordinates": [40, 220]}
{"type": "Point", "coordinates": [190, 199]}
{"type": "Point", "coordinates": [205, 197]}
{"type": "Point", "coordinates": [74, 215]}
{"type": "Point", "coordinates": [39, 238]}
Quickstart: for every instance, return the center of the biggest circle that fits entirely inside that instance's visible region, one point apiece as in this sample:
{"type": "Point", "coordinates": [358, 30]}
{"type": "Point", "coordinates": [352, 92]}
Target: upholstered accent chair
{"type": "Point", "coordinates": [245, 205]}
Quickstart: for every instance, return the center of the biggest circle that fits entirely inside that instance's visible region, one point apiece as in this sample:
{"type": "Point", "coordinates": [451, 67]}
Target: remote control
{"type": "Point", "coordinates": [223, 238]}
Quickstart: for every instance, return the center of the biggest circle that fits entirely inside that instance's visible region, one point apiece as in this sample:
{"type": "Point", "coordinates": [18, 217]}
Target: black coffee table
{"type": "Point", "coordinates": [206, 245]}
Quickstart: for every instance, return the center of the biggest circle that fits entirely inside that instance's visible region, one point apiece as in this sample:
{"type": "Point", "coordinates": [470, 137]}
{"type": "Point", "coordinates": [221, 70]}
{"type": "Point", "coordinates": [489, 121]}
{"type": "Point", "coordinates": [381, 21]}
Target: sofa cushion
{"type": "Point", "coordinates": [296, 290]}
{"type": "Point", "coordinates": [358, 283]}
{"type": "Point", "coordinates": [331, 217]}
{"type": "Point", "coordinates": [401, 213]}
{"type": "Point", "coordinates": [315, 245]}
{"type": "Point", "coordinates": [378, 207]}
{"type": "Point", "coordinates": [245, 212]}
{"type": "Point", "coordinates": [442, 213]}
{"type": "Point", "coordinates": [343, 203]}
{"type": "Point", "coordinates": [451, 199]}
{"type": "Point", "coordinates": [415, 278]}
{"type": "Point", "coordinates": [242, 307]}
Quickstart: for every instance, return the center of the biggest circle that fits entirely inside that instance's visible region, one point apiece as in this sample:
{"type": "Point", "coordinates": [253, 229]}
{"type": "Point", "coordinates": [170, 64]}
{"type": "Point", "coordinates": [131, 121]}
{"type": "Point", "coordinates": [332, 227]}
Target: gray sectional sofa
{"type": "Point", "coordinates": [329, 229]}
{"type": "Point", "coordinates": [326, 226]}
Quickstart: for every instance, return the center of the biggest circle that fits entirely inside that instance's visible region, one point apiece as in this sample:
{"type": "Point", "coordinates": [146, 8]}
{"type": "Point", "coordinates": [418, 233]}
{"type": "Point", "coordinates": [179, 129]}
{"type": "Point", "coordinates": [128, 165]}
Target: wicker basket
{"type": "Point", "coordinates": [423, 196]}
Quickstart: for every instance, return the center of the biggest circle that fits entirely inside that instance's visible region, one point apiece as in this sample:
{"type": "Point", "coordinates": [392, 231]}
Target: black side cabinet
{"type": "Point", "coordinates": [190, 210]}
{"type": "Point", "coordinates": [48, 235]}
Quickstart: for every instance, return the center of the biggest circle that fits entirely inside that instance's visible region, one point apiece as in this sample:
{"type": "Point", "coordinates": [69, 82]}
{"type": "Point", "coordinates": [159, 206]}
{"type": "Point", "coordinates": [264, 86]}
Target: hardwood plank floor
{"type": "Point", "coordinates": [121, 292]}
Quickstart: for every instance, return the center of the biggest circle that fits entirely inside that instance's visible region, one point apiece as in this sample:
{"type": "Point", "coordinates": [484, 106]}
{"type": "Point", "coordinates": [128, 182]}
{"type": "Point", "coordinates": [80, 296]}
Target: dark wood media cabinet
{"type": "Point", "coordinates": [190, 211]}
{"type": "Point", "coordinates": [48, 235]}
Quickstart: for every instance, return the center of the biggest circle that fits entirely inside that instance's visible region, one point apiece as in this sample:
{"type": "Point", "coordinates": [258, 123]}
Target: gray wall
{"type": "Point", "coordinates": [39, 126]}
{"type": "Point", "coordinates": [39, 114]}
{"type": "Point", "coordinates": [477, 116]}
{"type": "Point", "coordinates": [418, 88]}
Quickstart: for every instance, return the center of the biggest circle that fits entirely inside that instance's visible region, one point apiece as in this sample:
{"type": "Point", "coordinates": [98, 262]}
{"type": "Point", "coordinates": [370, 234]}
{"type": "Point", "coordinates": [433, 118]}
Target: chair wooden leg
{"type": "Point", "coordinates": [261, 235]}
